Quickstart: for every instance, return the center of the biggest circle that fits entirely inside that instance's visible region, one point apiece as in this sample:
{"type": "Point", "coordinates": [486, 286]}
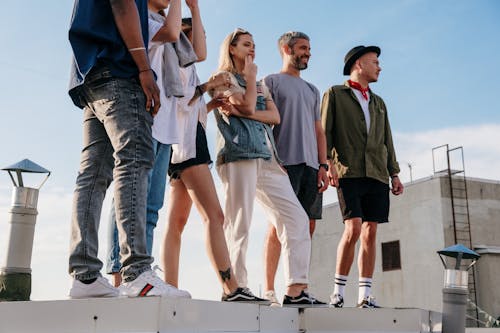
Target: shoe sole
{"type": "Point", "coordinates": [305, 306]}
{"type": "Point", "coordinates": [250, 302]}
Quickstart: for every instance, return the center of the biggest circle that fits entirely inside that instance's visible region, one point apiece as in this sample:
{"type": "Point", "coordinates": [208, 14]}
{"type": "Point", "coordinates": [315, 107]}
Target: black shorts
{"type": "Point", "coordinates": [366, 198]}
{"type": "Point", "coordinates": [202, 155]}
{"type": "Point", "coordinates": [304, 180]}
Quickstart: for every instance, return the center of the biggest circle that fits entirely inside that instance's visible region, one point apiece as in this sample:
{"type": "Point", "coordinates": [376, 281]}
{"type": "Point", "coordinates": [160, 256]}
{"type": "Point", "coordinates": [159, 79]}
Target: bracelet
{"type": "Point", "coordinates": [324, 166]}
{"type": "Point", "coordinates": [137, 49]}
{"type": "Point", "coordinates": [145, 70]}
{"type": "Point", "coordinates": [200, 89]}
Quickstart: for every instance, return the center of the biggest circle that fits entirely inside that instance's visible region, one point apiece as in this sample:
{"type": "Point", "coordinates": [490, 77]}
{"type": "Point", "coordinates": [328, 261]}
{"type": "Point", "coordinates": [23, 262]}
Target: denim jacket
{"type": "Point", "coordinates": [242, 138]}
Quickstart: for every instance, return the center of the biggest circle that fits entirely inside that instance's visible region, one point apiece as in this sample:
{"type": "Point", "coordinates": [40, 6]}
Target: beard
{"type": "Point", "coordinates": [297, 63]}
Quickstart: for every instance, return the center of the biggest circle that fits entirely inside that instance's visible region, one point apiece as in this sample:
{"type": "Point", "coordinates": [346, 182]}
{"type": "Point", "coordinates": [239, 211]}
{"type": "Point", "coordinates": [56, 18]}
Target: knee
{"type": "Point", "coordinates": [176, 225]}
{"type": "Point", "coordinates": [352, 233]}
{"type": "Point", "coordinates": [215, 219]}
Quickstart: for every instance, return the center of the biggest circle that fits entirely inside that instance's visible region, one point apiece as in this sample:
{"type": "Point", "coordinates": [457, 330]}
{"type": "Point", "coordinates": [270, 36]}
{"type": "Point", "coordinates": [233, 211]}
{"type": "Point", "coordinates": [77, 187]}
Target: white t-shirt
{"type": "Point", "coordinates": [165, 121]}
{"type": "Point", "coordinates": [188, 117]}
{"type": "Point", "coordinates": [364, 106]}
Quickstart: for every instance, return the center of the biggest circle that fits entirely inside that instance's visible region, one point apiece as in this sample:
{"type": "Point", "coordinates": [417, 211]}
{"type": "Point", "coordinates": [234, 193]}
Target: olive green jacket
{"type": "Point", "coordinates": [354, 152]}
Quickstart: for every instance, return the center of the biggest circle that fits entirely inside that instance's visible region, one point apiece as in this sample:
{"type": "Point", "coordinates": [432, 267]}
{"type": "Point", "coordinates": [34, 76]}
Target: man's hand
{"type": "Point", "coordinates": [148, 84]}
{"type": "Point", "coordinates": [333, 176]}
{"type": "Point", "coordinates": [397, 186]}
{"type": "Point", "coordinates": [322, 180]}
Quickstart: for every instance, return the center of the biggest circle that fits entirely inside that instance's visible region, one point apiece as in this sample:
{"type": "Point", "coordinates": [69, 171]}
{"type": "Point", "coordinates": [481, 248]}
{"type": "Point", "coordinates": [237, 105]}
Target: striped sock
{"type": "Point", "coordinates": [340, 282]}
{"type": "Point", "coordinates": [365, 287]}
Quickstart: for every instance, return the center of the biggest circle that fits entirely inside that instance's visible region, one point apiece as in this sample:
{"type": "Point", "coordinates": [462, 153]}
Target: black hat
{"type": "Point", "coordinates": [355, 53]}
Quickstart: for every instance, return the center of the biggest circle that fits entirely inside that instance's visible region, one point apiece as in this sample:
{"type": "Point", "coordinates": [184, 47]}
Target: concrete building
{"type": "Point", "coordinates": [408, 271]}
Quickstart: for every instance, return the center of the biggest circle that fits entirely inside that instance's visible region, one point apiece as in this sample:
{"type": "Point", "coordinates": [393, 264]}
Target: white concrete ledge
{"type": "Point", "coordinates": [161, 314]}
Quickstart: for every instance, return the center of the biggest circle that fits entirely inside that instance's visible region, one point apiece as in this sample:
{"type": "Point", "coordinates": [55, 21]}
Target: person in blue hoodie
{"type": "Point", "coordinates": [112, 81]}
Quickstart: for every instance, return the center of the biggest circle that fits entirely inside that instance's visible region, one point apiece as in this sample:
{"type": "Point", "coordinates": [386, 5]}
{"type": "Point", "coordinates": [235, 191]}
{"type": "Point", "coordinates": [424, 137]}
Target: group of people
{"type": "Point", "coordinates": [134, 75]}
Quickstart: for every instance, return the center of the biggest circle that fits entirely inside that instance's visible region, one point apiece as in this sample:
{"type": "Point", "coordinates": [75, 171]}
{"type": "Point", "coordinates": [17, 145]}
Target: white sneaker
{"type": "Point", "coordinates": [99, 288]}
{"type": "Point", "coordinates": [271, 295]}
{"type": "Point", "coordinates": [149, 284]}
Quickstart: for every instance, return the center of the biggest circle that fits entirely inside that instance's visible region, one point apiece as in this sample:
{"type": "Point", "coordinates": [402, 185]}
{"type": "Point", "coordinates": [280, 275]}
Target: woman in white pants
{"type": "Point", "coordinates": [248, 166]}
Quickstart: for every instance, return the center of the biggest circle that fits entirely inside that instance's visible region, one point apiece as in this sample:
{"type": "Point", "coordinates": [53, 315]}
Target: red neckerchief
{"type": "Point", "coordinates": [357, 86]}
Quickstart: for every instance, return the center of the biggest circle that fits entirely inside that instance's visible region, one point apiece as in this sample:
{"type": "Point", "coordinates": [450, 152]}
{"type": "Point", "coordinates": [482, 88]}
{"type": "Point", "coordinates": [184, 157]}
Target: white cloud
{"type": "Point", "coordinates": [51, 243]}
{"type": "Point", "coordinates": [480, 147]}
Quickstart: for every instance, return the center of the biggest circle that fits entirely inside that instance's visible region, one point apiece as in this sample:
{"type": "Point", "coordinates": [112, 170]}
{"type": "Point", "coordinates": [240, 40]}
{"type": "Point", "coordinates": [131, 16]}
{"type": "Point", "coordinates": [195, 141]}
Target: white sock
{"type": "Point", "coordinates": [365, 288]}
{"type": "Point", "coordinates": [339, 286]}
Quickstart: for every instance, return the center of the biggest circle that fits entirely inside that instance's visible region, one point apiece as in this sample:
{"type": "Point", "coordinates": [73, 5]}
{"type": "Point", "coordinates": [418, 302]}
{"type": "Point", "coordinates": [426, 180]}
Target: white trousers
{"type": "Point", "coordinates": [265, 181]}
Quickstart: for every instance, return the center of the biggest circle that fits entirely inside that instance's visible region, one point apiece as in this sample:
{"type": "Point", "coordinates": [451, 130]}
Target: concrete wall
{"type": "Point", "coordinates": [484, 210]}
{"type": "Point", "coordinates": [487, 279]}
{"type": "Point", "coordinates": [421, 219]}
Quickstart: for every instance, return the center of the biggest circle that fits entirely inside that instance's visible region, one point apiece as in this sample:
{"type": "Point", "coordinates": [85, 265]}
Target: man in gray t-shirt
{"type": "Point", "coordinates": [300, 140]}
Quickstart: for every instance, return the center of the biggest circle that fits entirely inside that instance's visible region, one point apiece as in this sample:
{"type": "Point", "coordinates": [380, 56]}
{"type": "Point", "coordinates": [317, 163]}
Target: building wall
{"type": "Point", "coordinates": [484, 208]}
{"type": "Point", "coordinates": [421, 219]}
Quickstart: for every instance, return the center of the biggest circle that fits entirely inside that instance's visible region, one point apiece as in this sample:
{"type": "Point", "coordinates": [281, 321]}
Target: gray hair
{"type": "Point", "coordinates": [290, 38]}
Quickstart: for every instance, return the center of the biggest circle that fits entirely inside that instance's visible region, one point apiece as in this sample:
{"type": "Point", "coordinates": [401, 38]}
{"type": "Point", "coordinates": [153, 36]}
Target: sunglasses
{"type": "Point", "coordinates": [237, 32]}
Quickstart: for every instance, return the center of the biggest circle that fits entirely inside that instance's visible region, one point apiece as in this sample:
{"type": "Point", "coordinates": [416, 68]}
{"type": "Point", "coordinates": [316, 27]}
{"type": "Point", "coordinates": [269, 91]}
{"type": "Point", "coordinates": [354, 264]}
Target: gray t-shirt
{"type": "Point", "coordinates": [298, 103]}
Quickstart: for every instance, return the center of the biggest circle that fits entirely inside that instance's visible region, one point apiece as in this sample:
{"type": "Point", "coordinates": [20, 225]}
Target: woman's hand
{"type": "Point", "coordinates": [228, 109]}
{"type": "Point", "coordinates": [250, 68]}
{"type": "Point", "coordinates": [222, 79]}
{"type": "Point", "coordinates": [216, 102]}
{"type": "Point", "coordinates": [192, 4]}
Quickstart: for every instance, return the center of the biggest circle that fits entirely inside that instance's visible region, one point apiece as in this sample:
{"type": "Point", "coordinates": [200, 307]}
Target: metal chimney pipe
{"type": "Point", "coordinates": [456, 287]}
{"type": "Point", "coordinates": [15, 274]}
{"type": "Point", "coordinates": [455, 294]}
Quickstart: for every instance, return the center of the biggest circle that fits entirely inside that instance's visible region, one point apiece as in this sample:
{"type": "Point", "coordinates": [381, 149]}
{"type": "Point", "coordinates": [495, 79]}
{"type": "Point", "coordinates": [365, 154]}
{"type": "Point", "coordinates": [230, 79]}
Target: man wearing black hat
{"type": "Point", "coordinates": [361, 160]}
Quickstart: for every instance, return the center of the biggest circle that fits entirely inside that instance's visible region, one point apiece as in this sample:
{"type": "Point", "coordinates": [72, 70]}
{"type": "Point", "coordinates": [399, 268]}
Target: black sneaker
{"type": "Point", "coordinates": [368, 303]}
{"type": "Point", "coordinates": [337, 301]}
{"type": "Point", "coordinates": [244, 295]}
{"type": "Point", "coordinates": [304, 300]}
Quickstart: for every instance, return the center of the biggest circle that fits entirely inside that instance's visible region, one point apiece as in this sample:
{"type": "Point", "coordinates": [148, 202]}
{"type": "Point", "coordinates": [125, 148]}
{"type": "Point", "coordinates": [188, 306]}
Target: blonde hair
{"type": "Point", "coordinates": [226, 62]}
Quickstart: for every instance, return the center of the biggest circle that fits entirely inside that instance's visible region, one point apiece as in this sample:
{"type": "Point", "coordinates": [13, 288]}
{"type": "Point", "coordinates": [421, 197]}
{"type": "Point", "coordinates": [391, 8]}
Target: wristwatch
{"type": "Point", "coordinates": [324, 166]}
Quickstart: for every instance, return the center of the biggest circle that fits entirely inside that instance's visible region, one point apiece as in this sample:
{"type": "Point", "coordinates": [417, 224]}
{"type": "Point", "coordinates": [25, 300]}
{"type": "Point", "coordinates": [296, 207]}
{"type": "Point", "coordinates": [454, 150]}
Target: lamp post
{"type": "Point", "coordinates": [456, 287]}
{"type": "Point", "coordinates": [15, 274]}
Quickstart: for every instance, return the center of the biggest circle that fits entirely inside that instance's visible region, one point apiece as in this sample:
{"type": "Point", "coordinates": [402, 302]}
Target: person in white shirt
{"type": "Point", "coordinates": [190, 177]}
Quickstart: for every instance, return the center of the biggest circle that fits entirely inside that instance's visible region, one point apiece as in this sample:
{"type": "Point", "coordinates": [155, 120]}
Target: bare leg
{"type": "Point", "coordinates": [347, 245]}
{"type": "Point", "coordinates": [116, 279]}
{"type": "Point", "coordinates": [179, 206]}
{"type": "Point", "coordinates": [312, 227]}
{"type": "Point", "coordinates": [272, 251]}
{"type": "Point", "coordinates": [201, 188]}
{"type": "Point", "coordinates": [367, 250]}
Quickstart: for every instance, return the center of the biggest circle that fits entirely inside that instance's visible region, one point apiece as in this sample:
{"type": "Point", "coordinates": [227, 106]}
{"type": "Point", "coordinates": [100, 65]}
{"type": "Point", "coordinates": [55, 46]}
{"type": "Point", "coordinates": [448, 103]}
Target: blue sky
{"type": "Point", "coordinates": [439, 80]}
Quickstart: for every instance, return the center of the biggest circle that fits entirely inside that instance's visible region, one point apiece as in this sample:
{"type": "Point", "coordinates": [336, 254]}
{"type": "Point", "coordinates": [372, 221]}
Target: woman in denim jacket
{"type": "Point", "coordinates": [247, 164]}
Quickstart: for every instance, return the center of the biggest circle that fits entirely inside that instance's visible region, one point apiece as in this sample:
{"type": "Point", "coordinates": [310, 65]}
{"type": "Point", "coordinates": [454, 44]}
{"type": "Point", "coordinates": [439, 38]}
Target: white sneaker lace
{"type": "Point", "coordinates": [371, 300]}
{"type": "Point", "coordinates": [311, 296]}
{"type": "Point", "coordinates": [271, 295]}
{"type": "Point", "coordinates": [248, 291]}
{"type": "Point", "coordinates": [155, 280]}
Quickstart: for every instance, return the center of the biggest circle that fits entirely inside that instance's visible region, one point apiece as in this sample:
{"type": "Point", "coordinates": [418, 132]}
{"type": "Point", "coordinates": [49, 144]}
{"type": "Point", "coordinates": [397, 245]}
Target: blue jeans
{"type": "Point", "coordinates": [157, 180]}
{"type": "Point", "coordinates": [116, 146]}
